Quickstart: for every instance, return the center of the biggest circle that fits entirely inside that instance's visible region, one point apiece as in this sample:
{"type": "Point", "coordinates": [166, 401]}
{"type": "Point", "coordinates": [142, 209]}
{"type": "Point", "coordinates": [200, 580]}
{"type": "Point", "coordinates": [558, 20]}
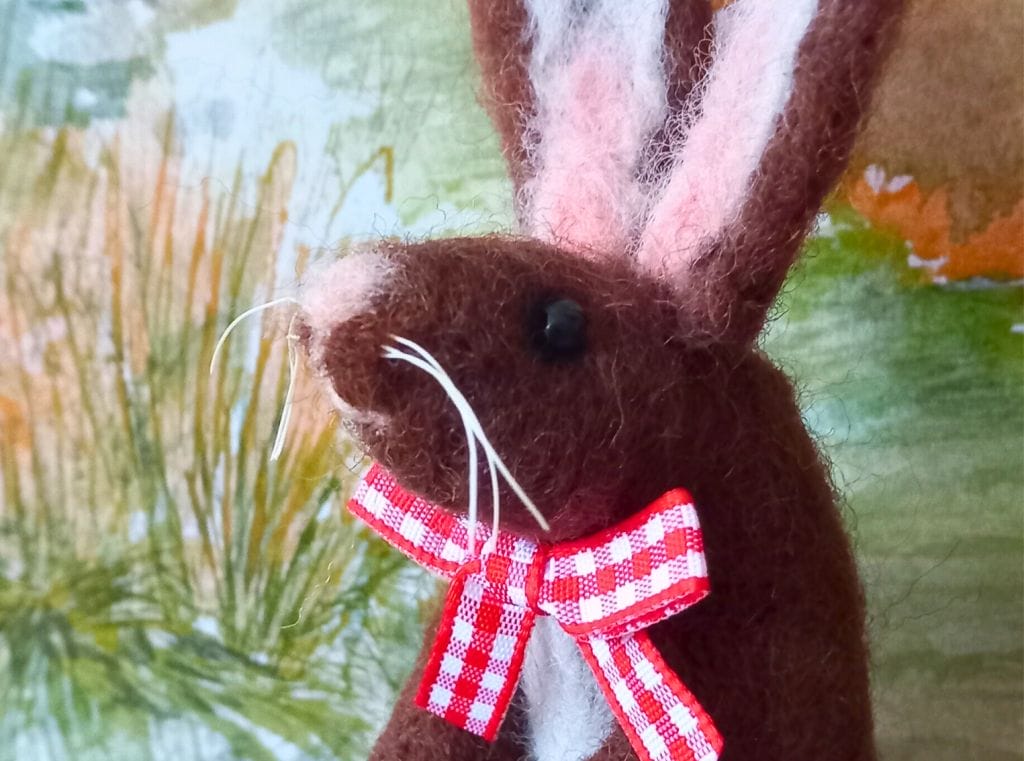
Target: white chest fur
{"type": "Point", "coordinates": [568, 717]}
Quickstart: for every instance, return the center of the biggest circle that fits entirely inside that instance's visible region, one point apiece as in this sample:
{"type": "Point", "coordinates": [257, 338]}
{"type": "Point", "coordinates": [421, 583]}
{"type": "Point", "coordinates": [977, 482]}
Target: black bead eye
{"type": "Point", "coordinates": [558, 329]}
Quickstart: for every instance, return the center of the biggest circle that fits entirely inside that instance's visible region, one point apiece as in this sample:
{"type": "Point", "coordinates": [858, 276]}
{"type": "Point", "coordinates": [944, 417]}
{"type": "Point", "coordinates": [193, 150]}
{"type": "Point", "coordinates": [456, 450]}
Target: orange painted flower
{"type": "Point", "coordinates": [923, 220]}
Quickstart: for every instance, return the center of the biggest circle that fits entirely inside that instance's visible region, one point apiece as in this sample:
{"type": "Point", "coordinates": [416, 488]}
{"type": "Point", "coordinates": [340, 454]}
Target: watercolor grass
{"type": "Point", "coordinates": [165, 589]}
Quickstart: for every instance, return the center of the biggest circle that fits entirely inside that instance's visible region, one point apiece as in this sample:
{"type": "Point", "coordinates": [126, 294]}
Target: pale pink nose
{"type": "Point", "coordinates": [341, 349]}
{"type": "Point", "coordinates": [336, 293]}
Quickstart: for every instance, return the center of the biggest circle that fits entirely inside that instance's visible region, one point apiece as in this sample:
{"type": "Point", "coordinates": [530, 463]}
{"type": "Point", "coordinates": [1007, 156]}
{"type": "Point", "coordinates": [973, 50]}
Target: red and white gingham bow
{"type": "Point", "coordinates": [603, 590]}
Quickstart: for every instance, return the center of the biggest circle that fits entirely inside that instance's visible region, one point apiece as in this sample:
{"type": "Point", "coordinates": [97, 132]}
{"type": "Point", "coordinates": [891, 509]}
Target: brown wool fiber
{"type": "Point", "coordinates": [687, 48]}
{"type": "Point", "coordinates": [501, 51]}
{"type": "Point", "coordinates": [671, 391]}
{"type": "Point", "coordinates": [775, 654]}
{"type": "Point", "coordinates": [836, 71]}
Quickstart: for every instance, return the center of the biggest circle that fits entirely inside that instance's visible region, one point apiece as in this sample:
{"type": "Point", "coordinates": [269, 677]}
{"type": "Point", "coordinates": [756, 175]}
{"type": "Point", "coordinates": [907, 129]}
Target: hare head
{"type": "Point", "coordinates": [607, 351]}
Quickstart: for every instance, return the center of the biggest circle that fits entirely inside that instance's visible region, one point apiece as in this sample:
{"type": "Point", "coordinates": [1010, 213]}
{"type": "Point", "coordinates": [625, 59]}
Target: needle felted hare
{"type": "Point", "coordinates": [667, 165]}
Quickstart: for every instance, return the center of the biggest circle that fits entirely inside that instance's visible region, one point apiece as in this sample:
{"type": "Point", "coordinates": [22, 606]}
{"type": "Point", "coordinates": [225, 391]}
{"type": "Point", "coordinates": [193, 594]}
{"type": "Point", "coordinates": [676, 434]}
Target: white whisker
{"type": "Point", "coordinates": [470, 418]}
{"type": "Point", "coordinates": [426, 355]}
{"type": "Point", "coordinates": [234, 323]}
{"type": "Point", "coordinates": [474, 487]}
{"type": "Point", "coordinates": [492, 541]}
{"type": "Point", "coordinates": [293, 365]}
{"type": "Point", "coordinates": [289, 395]}
{"type": "Point", "coordinates": [392, 353]}
{"type": "Point", "coordinates": [445, 380]}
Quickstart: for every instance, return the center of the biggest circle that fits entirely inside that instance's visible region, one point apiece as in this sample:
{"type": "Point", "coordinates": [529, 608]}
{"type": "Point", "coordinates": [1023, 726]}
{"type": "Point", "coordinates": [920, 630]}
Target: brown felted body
{"type": "Point", "coordinates": [670, 390]}
{"type": "Point", "coordinates": [776, 653]}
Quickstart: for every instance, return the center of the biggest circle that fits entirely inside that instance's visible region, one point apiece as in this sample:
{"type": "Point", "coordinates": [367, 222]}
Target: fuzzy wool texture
{"type": "Point", "coordinates": [597, 75]}
{"type": "Point", "coordinates": [567, 717]}
{"type": "Point", "coordinates": [607, 111]}
{"type": "Point", "coordinates": [776, 653]}
{"type": "Point", "coordinates": [740, 102]}
{"type": "Point", "coordinates": [339, 290]}
{"type": "Point", "coordinates": [732, 282]}
{"type": "Point", "coordinates": [333, 291]}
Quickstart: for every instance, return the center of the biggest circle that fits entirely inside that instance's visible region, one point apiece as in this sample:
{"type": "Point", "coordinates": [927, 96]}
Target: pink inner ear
{"type": "Point", "coordinates": [584, 193]}
{"type": "Point", "coordinates": [747, 90]}
{"type": "Point", "coordinates": [337, 292]}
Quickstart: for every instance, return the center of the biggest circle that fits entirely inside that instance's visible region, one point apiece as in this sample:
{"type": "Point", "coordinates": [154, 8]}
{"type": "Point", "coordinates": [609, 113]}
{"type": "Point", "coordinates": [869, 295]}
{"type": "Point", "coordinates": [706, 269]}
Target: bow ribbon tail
{"type": "Point", "coordinates": [474, 665]}
{"type": "Point", "coordinates": [663, 720]}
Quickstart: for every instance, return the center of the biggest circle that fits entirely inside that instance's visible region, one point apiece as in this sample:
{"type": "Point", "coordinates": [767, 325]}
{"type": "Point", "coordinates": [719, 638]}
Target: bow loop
{"type": "Point", "coordinates": [631, 576]}
{"type": "Point", "coordinates": [510, 575]}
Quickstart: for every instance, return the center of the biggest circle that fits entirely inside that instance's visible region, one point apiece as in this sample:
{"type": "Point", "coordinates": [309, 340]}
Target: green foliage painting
{"type": "Point", "coordinates": [169, 592]}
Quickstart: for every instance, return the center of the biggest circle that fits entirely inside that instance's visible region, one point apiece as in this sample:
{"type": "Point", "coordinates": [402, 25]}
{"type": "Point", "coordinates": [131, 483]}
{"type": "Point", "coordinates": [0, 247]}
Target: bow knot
{"type": "Point", "coordinates": [603, 590]}
{"type": "Point", "coordinates": [497, 575]}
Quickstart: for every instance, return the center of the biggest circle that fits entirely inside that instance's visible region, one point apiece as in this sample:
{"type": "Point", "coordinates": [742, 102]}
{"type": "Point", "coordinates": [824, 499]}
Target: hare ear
{"type": "Point", "coordinates": [778, 115]}
{"type": "Point", "coordinates": [576, 90]}
{"type": "Point", "coordinates": [501, 43]}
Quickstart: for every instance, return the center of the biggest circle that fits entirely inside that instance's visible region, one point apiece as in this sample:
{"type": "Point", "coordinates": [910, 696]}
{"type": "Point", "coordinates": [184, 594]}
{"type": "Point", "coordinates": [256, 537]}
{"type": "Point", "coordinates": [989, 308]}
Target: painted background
{"type": "Point", "coordinates": [168, 592]}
